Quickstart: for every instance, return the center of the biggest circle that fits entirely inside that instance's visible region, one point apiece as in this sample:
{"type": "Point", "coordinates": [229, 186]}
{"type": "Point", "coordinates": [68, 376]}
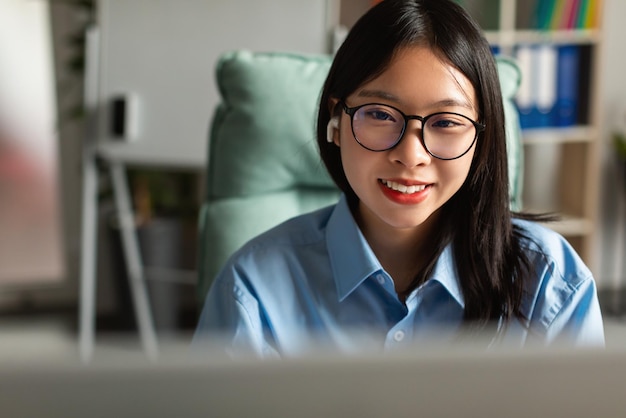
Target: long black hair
{"type": "Point", "coordinates": [477, 220]}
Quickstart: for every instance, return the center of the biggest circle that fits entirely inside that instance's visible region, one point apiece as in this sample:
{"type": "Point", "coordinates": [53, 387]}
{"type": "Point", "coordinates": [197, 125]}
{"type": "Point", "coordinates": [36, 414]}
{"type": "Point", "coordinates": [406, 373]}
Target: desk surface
{"type": "Point", "coordinates": [158, 154]}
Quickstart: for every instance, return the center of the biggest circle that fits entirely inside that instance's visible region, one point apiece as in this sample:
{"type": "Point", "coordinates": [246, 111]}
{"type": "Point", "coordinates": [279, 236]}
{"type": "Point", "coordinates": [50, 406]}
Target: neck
{"type": "Point", "coordinates": [403, 252]}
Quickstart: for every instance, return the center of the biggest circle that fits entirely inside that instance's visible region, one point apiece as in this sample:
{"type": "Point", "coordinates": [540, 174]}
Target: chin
{"type": "Point", "coordinates": [406, 222]}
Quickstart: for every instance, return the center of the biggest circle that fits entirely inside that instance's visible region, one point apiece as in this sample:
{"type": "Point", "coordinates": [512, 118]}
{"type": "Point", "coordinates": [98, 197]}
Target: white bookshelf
{"type": "Point", "coordinates": [566, 159]}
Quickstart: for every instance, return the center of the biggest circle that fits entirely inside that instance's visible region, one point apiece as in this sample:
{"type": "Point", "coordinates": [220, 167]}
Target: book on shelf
{"type": "Point", "coordinates": [545, 79]}
{"type": "Point", "coordinates": [566, 110]}
{"type": "Point", "coordinates": [566, 14]}
{"type": "Point", "coordinates": [550, 91]}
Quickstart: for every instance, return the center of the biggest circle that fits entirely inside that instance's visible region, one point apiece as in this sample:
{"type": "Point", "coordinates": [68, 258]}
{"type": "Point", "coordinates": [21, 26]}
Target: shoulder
{"type": "Point", "coordinates": [545, 246]}
{"type": "Point", "coordinates": [301, 230]}
{"type": "Point", "coordinates": [559, 276]}
{"type": "Point", "coordinates": [274, 252]}
{"type": "Point", "coordinates": [277, 266]}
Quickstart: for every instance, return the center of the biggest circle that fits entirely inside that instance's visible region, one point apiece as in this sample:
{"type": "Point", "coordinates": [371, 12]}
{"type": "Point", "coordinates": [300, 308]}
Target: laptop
{"type": "Point", "coordinates": [463, 382]}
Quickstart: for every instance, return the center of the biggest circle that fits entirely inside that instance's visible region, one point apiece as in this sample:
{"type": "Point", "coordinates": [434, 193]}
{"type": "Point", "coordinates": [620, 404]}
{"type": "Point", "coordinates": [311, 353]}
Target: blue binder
{"type": "Point", "coordinates": [567, 85]}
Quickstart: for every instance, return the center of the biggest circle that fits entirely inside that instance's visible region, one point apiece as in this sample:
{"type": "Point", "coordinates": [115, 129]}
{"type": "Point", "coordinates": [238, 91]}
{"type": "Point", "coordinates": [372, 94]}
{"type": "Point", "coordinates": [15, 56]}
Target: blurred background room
{"type": "Point", "coordinates": [70, 284]}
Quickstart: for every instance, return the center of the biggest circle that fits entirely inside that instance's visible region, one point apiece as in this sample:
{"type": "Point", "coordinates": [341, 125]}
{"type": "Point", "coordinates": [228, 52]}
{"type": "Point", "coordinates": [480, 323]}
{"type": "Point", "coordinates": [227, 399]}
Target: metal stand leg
{"type": "Point", "coordinates": [89, 233]}
{"type": "Point", "coordinates": [134, 264]}
{"type": "Point", "coordinates": [87, 307]}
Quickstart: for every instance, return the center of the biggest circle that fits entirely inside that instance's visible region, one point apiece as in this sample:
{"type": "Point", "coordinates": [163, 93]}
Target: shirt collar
{"type": "Point", "coordinates": [446, 273]}
{"type": "Point", "coordinates": [352, 260]}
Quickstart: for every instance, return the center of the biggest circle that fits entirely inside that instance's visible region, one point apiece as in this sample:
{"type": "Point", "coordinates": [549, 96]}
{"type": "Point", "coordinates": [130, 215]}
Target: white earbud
{"type": "Point", "coordinates": [333, 124]}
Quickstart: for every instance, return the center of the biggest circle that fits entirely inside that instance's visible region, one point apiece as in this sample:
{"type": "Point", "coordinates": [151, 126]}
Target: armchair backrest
{"type": "Point", "coordinates": [263, 163]}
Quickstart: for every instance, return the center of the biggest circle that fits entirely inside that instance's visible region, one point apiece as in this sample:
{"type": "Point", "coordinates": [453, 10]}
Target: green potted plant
{"type": "Point", "coordinates": [619, 143]}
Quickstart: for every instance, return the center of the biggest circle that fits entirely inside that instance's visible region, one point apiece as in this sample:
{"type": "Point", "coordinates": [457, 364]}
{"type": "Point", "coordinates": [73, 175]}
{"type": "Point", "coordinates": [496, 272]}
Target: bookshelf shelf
{"type": "Point", "coordinates": [572, 226]}
{"type": "Point", "coordinates": [511, 38]}
{"type": "Point", "coordinates": [575, 134]}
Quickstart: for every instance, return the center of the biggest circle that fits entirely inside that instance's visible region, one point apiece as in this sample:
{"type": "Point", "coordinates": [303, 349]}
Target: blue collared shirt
{"type": "Point", "coordinates": [314, 282]}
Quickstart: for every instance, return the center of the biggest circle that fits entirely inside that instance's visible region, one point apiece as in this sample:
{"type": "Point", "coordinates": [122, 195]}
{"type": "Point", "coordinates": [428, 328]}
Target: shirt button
{"type": "Point", "coordinates": [398, 336]}
{"type": "Point", "coordinates": [380, 278]}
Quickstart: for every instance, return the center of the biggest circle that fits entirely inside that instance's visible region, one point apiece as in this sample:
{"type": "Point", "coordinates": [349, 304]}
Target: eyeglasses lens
{"type": "Point", "coordinates": [444, 135]}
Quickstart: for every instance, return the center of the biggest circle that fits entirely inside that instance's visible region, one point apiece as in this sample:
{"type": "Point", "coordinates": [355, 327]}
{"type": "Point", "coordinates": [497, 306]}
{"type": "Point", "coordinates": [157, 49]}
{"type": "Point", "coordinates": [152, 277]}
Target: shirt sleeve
{"type": "Point", "coordinates": [562, 304]}
{"type": "Point", "coordinates": [231, 321]}
{"type": "Point", "coordinates": [579, 321]}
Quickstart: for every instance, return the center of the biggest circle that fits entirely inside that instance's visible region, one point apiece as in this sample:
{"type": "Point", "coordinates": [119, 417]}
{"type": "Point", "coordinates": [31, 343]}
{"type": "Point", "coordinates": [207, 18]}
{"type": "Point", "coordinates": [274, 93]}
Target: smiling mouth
{"type": "Point", "coordinates": [404, 188]}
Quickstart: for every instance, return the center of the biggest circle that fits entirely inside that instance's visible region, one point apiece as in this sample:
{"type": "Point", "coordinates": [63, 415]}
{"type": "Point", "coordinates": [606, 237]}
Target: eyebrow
{"type": "Point", "coordinates": [381, 94]}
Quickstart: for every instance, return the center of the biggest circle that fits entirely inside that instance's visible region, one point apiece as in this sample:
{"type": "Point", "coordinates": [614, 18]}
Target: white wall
{"type": "Point", "coordinates": [610, 250]}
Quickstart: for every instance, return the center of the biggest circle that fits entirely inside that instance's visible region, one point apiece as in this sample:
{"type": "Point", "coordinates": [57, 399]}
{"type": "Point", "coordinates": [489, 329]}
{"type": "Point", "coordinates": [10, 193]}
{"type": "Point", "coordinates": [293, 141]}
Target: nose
{"type": "Point", "coordinates": [410, 151]}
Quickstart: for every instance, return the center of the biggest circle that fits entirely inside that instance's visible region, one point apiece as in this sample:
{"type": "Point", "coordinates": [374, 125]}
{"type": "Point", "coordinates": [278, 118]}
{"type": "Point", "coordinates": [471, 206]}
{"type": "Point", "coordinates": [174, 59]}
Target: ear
{"type": "Point", "coordinates": [333, 125]}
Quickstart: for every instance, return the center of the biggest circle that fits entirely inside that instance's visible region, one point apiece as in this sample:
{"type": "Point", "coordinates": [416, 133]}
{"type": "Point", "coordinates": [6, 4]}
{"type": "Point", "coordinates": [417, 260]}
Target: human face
{"type": "Point", "coordinates": [402, 188]}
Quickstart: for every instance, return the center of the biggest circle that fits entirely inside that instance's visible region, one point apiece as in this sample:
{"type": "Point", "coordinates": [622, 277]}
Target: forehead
{"type": "Point", "coordinates": [417, 77]}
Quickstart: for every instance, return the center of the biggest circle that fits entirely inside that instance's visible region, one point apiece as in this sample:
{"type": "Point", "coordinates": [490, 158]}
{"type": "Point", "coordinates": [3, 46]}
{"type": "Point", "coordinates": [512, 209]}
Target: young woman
{"type": "Point", "coordinates": [422, 244]}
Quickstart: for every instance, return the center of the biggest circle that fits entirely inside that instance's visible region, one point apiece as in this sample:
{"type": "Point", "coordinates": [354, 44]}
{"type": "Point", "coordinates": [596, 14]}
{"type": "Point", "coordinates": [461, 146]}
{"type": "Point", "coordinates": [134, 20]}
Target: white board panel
{"type": "Point", "coordinates": [162, 53]}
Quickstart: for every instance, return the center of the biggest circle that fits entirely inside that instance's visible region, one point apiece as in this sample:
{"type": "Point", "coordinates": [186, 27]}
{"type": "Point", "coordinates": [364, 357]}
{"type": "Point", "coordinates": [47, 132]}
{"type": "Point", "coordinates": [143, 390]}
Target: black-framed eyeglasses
{"type": "Point", "coordinates": [380, 127]}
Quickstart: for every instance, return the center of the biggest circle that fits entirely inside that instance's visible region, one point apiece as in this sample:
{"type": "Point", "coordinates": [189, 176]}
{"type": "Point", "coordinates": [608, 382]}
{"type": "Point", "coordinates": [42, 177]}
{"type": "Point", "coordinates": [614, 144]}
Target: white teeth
{"type": "Point", "coordinates": [403, 188]}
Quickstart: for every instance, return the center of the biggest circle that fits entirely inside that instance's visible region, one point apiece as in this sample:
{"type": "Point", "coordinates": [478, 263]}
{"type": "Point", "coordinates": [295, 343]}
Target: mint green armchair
{"type": "Point", "coordinates": [263, 163]}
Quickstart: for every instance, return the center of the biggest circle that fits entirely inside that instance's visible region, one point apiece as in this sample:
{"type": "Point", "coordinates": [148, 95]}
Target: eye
{"type": "Point", "coordinates": [379, 114]}
{"type": "Point", "coordinates": [447, 121]}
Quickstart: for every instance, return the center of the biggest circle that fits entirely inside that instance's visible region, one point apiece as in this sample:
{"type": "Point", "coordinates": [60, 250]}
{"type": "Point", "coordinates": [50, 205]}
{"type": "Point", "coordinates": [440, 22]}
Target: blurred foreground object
{"type": "Point", "coordinates": [30, 219]}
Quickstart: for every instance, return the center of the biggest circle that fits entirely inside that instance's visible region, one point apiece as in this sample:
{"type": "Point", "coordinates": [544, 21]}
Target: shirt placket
{"type": "Point", "coordinates": [401, 334]}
